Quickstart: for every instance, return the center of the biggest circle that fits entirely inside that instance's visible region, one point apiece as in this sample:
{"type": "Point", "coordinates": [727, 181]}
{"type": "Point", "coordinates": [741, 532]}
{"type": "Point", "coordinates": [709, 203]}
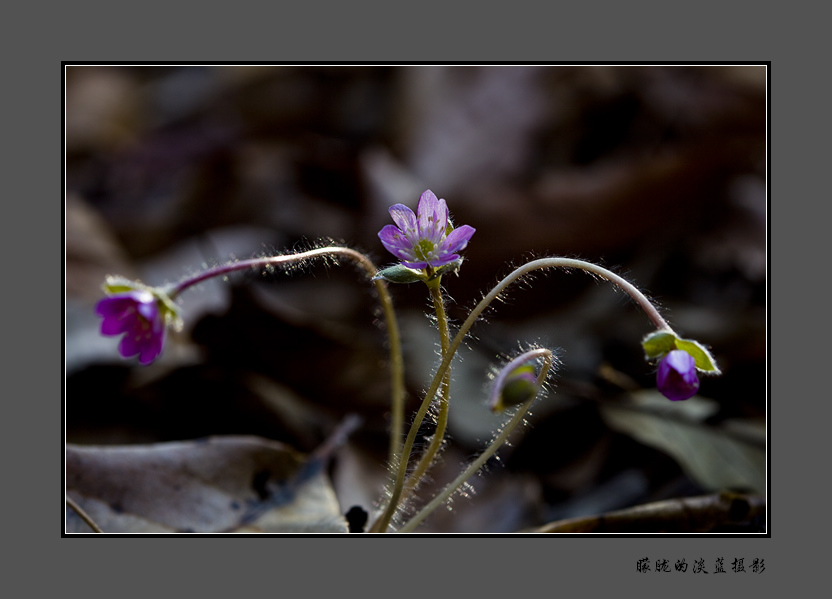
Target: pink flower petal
{"type": "Point", "coordinates": [136, 314]}
{"type": "Point", "coordinates": [405, 219]}
{"type": "Point", "coordinates": [129, 345]}
{"type": "Point", "coordinates": [433, 217]}
{"type": "Point", "coordinates": [151, 350]}
{"type": "Point", "coordinates": [392, 237]}
{"type": "Point", "coordinates": [458, 238]}
{"type": "Point", "coordinates": [676, 377]}
{"type": "Point", "coordinates": [444, 259]}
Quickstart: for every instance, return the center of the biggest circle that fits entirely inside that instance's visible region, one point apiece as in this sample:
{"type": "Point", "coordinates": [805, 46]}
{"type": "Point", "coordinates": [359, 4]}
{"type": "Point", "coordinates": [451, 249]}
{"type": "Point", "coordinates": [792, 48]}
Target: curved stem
{"type": "Point", "coordinates": [521, 271]}
{"type": "Point", "coordinates": [384, 521]}
{"type": "Point", "coordinates": [602, 272]}
{"type": "Point", "coordinates": [490, 450]}
{"type": "Point", "coordinates": [394, 336]}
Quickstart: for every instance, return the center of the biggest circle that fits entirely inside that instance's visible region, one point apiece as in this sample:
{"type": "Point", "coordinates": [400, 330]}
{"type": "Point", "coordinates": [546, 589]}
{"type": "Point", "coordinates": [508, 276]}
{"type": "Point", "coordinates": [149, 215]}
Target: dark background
{"type": "Point", "coordinates": [655, 171]}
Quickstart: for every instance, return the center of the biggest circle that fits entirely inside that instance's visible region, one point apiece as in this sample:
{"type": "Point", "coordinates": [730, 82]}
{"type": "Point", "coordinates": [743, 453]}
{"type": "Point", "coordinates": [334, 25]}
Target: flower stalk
{"type": "Point", "coordinates": [402, 486]}
{"type": "Point", "coordinates": [498, 442]}
{"type": "Point", "coordinates": [444, 394]}
{"type": "Point", "coordinates": [150, 307]}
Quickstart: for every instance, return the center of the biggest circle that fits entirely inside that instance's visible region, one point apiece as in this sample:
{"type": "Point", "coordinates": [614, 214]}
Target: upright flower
{"type": "Point", "coordinates": [425, 239]}
{"type": "Point", "coordinates": [676, 377]}
{"type": "Point", "coordinates": [136, 313]}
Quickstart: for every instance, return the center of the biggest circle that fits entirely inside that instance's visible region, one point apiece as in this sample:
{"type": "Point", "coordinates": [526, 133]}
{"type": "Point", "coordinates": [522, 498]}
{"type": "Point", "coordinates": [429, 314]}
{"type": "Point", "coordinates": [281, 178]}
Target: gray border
{"type": "Point", "coordinates": [421, 34]}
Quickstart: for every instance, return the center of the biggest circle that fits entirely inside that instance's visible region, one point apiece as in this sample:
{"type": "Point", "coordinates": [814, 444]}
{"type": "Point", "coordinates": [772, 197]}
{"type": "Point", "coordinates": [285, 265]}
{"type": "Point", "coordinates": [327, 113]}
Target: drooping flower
{"type": "Point", "coordinates": [425, 239]}
{"type": "Point", "coordinates": [676, 377]}
{"type": "Point", "coordinates": [137, 315]}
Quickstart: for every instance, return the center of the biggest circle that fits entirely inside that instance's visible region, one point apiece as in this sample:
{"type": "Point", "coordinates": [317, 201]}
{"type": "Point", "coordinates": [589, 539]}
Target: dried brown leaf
{"type": "Point", "coordinates": [218, 484]}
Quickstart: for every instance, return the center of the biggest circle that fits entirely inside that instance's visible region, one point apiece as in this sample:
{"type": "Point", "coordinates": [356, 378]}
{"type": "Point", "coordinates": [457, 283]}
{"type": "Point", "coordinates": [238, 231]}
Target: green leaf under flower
{"type": "Point", "coordinates": [701, 356]}
{"type": "Point", "coordinates": [660, 343]}
{"type": "Point", "coordinates": [399, 273]}
{"type": "Point", "coordinates": [116, 284]}
{"type": "Point", "coordinates": [450, 267]}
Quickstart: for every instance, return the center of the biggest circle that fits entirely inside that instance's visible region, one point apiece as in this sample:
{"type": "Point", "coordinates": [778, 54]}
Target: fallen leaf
{"type": "Point", "coordinates": [219, 484]}
{"type": "Point", "coordinates": [712, 456]}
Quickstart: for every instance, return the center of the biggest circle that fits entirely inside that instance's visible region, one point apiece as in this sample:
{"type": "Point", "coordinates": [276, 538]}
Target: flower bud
{"type": "Point", "coordinates": [519, 386]}
{"type": "Point", "coordinates": [676, 377]}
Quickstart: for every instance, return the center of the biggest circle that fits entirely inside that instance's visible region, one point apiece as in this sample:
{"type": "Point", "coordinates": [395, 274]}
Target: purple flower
{"type": "Point", "coordinates": [677, 378]}
{"type": "Point", "coordinates": [136, 314]}
{"type": "Point", "coordinates": [425, 239]}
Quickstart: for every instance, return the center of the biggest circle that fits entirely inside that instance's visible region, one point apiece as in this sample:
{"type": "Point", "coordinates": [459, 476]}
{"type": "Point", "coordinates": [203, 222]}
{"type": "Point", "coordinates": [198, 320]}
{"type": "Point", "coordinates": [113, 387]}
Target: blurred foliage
{"type": "Point", "coordinates": [656, 171]}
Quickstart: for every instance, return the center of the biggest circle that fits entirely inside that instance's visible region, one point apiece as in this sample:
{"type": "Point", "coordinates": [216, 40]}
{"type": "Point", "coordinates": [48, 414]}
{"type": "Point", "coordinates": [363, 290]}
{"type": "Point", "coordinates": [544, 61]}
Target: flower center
{"type": "Point", "coordinates": [423, 249]}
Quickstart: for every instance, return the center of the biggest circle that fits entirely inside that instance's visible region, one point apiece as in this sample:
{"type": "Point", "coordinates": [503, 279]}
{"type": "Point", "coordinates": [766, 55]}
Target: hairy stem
{"type": "Point", "coordinates": [498, 442]}
{"type": "Point", "coordinates": [444, 395]}
{"type": "Point", "coordinates": [394, 336]}
{"type": "Point", "coordinates": [521, 271]}
{"type": "Point", "coordinates": [384, 520]}
{"type": "Point", "coordinates": [401, 487]}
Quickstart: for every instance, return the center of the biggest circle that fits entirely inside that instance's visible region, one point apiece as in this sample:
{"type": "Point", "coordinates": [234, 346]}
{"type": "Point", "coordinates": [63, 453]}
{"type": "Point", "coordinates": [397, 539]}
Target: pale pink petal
{"type": "Point", "coordinates": [415, 265]}
{"type": "Point", "coordinates": [458, 238]}
{"type": "Point", "coordinates": [432, 214]}
{"type": "Point", "coordinates": [393, 237]}
{"type": "Point", "coordinates": [395, 243]}
{"type": "Point", "coordinates": [444, 259]}
{"type": "Point", "coordinates": [405, 219]}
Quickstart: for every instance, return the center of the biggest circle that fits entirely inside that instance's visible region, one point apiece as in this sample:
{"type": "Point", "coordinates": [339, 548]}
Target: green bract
{"type": "Point", "coordinates": [400, 274]}
{"type": "Point", "coordinates": [702, 357]}
{"type": "Point", "coordinates": [660, 343]}
{"type": "Point", "coordinates": [446, 269]}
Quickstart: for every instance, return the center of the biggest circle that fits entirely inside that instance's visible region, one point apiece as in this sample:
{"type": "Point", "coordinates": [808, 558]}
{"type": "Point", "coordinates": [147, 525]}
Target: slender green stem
{"type": "Point", "coordinates": [384, 520]}
{"type": "Point", "coordinates": [402, 488]}
{"type": "Point", "coordinates": [83, 514]}
{"type": "Point", "coordinates": [394, 336]}
{"type": "Point", "coordinates": [444, 395]}
{"type": "Point", "coordinates": [518, 417]}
